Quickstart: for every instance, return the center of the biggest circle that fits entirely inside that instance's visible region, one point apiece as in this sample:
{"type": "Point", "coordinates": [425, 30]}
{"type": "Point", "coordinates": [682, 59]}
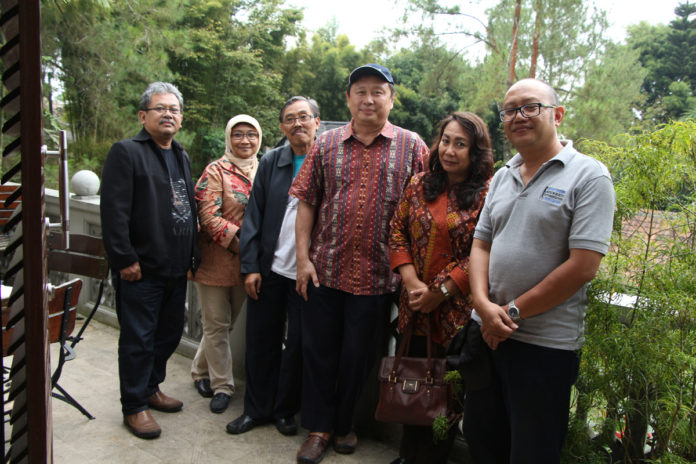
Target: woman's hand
{"type": "Point", "coordinates": [425, 300]}
{"type": "Point", "coordinates": [420, 298]}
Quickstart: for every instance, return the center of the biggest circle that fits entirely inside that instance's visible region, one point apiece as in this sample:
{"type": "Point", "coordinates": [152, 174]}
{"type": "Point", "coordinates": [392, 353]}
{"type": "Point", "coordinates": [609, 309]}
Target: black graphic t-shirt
{"type": "Point", "coordinates": [182, 217]}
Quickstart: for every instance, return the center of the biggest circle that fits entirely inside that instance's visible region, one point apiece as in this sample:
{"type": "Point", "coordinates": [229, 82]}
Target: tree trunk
{"type": "Point", "coordinates": [513, 52]}
{"type": "Point", "coordinates": [636, 427]}
{"type": "Point", "coordinates": [537, 33]}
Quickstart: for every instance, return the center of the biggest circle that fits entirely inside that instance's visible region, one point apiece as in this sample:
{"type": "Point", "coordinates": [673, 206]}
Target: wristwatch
{"type": "Point", "coordinates": [443, 289]}
{"type": "Point", "coordinates": [514, 312]}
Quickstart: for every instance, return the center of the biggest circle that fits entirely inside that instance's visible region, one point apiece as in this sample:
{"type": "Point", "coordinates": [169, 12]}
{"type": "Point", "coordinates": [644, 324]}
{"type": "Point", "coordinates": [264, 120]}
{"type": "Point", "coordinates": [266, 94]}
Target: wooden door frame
{"type": "Point", "coordinates": [31, 424]}
{"type": "Point", "coordinates": [34, 231]}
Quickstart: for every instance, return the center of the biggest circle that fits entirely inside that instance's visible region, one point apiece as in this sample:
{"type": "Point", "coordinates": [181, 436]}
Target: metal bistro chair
{"type": "Point", "coordinates": [62, 310]}
{"type": "Point", "coordinates": [85, 257]}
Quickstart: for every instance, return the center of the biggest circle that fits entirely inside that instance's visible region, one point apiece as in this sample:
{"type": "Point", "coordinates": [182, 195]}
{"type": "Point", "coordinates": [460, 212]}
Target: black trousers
{"type": "Point", "coordinates": [522, 416]}
{"type": "Point", "coordinates": [340, 336]}
{"type": "Point", "coordinates": [274, 373]}
{"type": "Point", "coordinates": [151, 316]}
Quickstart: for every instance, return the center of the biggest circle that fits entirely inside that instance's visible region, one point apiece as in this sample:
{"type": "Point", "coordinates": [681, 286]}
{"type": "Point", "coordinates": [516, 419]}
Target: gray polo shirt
{"type": "Point", "coordinates": [569, 203]}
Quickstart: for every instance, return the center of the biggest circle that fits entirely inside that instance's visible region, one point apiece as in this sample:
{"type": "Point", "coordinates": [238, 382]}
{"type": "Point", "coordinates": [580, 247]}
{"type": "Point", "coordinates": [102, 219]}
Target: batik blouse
{"type": "Point", "coordinates": [222, 194]}
{"type": "Point", "coordinates": [436, 238]}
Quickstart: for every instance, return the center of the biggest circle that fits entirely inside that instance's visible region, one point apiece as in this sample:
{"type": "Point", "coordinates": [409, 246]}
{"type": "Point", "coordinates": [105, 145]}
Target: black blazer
{"type": "Point", "coordinates": [136, 205]}
{"type": "Point", "coordinates": [264, 213]}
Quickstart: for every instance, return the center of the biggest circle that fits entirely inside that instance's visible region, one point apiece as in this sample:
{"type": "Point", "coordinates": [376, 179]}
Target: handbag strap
{"type": "Point", "coordinates": [405, 345]}
{"type": "Point", "coordinates": [429, 374]}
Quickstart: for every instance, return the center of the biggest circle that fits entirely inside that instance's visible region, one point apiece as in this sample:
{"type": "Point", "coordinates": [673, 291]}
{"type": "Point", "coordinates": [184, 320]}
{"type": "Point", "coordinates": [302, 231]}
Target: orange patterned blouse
{"type": "Point", "coordinates": [436, 238]}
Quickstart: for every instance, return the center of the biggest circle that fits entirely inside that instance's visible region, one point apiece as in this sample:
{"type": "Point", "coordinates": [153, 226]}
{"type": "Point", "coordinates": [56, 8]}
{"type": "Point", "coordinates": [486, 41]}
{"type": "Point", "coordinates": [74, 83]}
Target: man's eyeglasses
{"type": "Point", "coordinates": [530, 110]}
{"type": "Point", "coordinates": [163, 109]}
{"type": "Point", "coordinates": [303, 118]}
{"type": "Point", "coordinates": [240, 135]}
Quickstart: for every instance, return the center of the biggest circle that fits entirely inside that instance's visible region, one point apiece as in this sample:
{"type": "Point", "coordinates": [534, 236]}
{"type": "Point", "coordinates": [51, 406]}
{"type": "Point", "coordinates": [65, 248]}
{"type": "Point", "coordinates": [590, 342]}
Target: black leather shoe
{"type": "Point", "coordinates": [286, 425]}
{"type": "Point", "coordinates": [203, 388]}
{"type": "Point", "coordinates": [242, 424]}
{"type": "Point", "coordinates": [219, 403]}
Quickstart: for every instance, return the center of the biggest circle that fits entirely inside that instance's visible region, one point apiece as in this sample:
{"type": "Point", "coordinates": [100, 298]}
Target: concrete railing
{"type": "Point", "coordinates": [85, 219]}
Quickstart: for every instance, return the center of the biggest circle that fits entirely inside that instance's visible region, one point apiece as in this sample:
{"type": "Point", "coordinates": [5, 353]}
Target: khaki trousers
{"type": "Point", "coordinates": [220, 307]}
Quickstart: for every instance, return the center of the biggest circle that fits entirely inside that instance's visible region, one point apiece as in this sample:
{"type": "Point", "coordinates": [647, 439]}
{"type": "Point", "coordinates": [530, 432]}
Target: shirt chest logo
{"type": "Point", "coordinates": [553, 195]}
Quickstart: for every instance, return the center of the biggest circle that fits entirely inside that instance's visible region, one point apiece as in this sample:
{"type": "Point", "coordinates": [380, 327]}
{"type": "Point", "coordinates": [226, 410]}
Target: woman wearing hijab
{"type": "Point", "coordinates": [222, 194]}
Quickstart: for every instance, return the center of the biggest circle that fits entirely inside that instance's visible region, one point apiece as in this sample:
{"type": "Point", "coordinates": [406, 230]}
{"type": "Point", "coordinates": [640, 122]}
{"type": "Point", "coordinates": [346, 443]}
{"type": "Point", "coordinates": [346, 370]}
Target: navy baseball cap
{"type": "Point", "coordinates": [370, 68]}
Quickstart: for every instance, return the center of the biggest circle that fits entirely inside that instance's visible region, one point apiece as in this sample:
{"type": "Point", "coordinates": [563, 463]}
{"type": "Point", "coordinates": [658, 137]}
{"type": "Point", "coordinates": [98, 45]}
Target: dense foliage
{"type": "Point", "coordinates": [637, 388]}
{"type": "Point", "coordinates": [244, 56]}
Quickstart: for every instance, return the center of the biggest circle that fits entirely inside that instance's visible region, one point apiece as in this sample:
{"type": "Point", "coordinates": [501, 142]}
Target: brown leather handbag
{"type": "Point", "coordinates": [412, 391]}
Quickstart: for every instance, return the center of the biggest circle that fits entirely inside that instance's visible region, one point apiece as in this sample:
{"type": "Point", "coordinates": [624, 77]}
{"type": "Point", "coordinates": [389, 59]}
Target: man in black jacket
{"type": "Point", "coordinates": [148, 214]}
{"type": "Point", "coordinates": [267, 252]}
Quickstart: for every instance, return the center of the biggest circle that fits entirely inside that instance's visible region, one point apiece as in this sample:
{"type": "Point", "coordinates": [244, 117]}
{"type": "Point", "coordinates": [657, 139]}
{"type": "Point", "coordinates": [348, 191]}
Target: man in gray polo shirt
{"type": "Point", "coordinates": [541, 235]}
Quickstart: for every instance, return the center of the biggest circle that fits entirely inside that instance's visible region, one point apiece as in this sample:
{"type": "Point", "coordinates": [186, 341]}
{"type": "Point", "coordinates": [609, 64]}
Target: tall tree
{"type": "Point", "coordinates": [669, 54]}
{"type": "Point", "coordinates": [567, 32]}
{"type": "Point", "coordinates": [537, 32]}
{"type": "Point", "coordinates": [555, 39]}
{"type": "Point", "coordinates": [605, 106]}
{"type": "Point", "coordinates": [515, 41]}
{"type": "Point", "coordinates": [558, 36]}
{"type": "Point", "coordinates": [321, 70]}
{"type": "Point", "coordinates": [429, 85]}
{"type": "Point", "coordinates": [103, 52]}
{"type": "Point", "coordinates": [226, 60]}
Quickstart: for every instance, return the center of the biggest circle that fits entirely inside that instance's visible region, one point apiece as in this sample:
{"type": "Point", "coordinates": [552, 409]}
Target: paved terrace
{"type": "Point", "coordinates": [194, 435]}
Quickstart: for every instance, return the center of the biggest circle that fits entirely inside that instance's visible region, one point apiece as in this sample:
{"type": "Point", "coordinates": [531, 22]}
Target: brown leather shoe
{"type": "Point", "coordinates": [142, 424]}
{"type": "Point", "coordinates": [345, 444]}
{"type": "Point", "coordinates": [164, 403]}
{"type": "Point", "coordinates": [314, 447]}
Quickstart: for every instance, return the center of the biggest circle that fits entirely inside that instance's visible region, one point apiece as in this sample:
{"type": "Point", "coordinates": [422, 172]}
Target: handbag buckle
{"type": "Point", "coordinates": [410, 386]}
{"type": "Point", "coordinates": [429, 379]}
{"type": "Point", "coordinates": [393, 377]}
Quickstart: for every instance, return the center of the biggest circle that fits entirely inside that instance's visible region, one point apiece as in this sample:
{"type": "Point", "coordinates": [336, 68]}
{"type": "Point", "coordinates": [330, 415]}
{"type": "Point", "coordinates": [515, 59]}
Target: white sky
{"type": "Point", "coordinates": [362, 20]}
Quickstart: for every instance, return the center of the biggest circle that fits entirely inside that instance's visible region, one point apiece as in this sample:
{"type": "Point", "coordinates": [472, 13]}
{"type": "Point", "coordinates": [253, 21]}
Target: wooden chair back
{"type": "Point", "coordinates": [85, 256]}
{"type": "Point", "coordinates": [10, 199]}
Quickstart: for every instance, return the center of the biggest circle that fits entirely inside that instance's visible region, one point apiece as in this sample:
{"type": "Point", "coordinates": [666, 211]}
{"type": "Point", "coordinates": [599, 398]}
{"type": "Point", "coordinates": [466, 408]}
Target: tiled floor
{"type": "Point", "coordinates": [194, 435]}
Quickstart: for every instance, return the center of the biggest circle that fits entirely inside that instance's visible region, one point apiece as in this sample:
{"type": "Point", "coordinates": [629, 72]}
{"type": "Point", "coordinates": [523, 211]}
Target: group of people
{"type": "Point", "coordinates": [322, 234]}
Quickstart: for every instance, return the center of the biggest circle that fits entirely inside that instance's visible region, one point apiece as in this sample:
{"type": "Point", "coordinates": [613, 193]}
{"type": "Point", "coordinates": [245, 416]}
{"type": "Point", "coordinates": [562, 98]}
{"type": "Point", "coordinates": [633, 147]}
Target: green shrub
{"type": "Point", "coordinates": [636, 395]}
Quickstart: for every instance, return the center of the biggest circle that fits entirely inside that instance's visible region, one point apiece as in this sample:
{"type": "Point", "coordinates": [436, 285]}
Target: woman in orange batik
{"type": "Point", "coordinates": [431, 235]}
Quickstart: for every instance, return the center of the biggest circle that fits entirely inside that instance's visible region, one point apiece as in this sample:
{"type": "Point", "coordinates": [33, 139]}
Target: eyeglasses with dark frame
{"type": "Point", "coordinates": [238, 135]}
{"type": "Point", "coordinates": [303, 118]}
{"type": "Point", "coordinates": [163, 109]}
{"type": "Point", "coordinates": [530, 110]}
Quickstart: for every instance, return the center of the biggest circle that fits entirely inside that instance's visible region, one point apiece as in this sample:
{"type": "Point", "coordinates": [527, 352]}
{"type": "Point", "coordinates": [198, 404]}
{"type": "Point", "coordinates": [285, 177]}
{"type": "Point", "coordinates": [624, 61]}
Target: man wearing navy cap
{"type": "Point", "coordinates": [348, 188]}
